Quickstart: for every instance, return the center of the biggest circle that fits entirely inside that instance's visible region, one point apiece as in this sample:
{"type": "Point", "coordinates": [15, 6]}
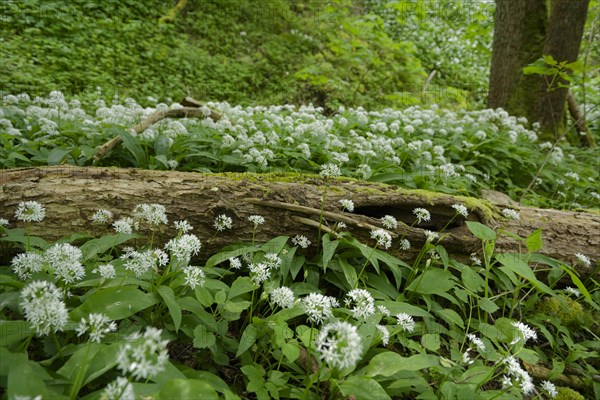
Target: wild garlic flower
{"type": "Point", "coordinates": [341, 225]}
{"type": "Point", "coordinates": [272, 260]}
{"type": "Point", "coordinates": [476, 260]}
{"type": "Point", "coordinates": [318, 307]}
{"type": "Point", "coordinates": [382, 238]}
{"type": "Point", "coordinates": [30, 211]}
{"type": "Point", "coordinates": [389, 222]}
{"type": "Point", "coordinates": [154, 214]}
{"type": "Point", "coordinates": [521, 376]}
{"type": "Point", "coordinates": [511, 214]}
{"type": "Point", "coordinates": [422, 215]}
{"type": "Point", "coordinates": [184, 247]}
{"type": "Point", "coordinates": [3, 222]}
{"type": "Point", "coordinates": [223, 222]}
{"type": "Point", "coordinates": [119, 389]}
{"type": "Point", "coordinates": [64, 260]}
{"type": "Point", "coordinates": [102, 216]}
{"type": "Point", "coordinates": [194, 276]}
{"type": "Point", "coordinates": [404, 244]}
{"type": "Point", "coordinates": [172, 164]}
{"type": "Point", "coordinates": [106, 271]}
{"type": "Point", "coordinates": [183, 226]}
{"type": "Point", "coordinates": [98, 325]}
{"type": "Point", "coordinates": [256, 220]}
{"type": "Point", "coordinates": [361, 303]}
{"type": "Point", "coordinates": [143, 356]}
{"type": "Point", "coordinates": [330, 171]}
{"type": "Point", "coordinates": [573, 175]}
{"type": "Point", "coordinates": [431, 236]}
{"type": "Point", "coordinates": [259, 272]}
{"type": "Point", "coordinates": [235, 263]}
{"type": "Point", "coordinates": [550, 389]}
{"type": "Point", "coordinates": [339, 345]}
{"type": "Point", "coordinates": [385, 334]}
{"type": "Point", "coordinates": [301, 241]}
{"type": "Point", "coordinates": [43, 305]}
{"type": "Point", "coordinates": [466, 358]}
{"type": "Point", "coordinates": [25, 264]}
{"type": "Point", "coordinates": [406, 322]}
{"type": "Point", "coordinates": [384, 310]}
{"type": "Point", "coordinates": [125, 226]}
{"type": "Point", "coordinates": [138, 261]}
{"type": "Point", "coordinates": [283, 297]}
{"type": "Point", "coordinates": [573, 291]}
{"type": "Point", "coordinates": [460, 209]}
{"type": "Point", "coordinates": [584, 259]}
{"type": "Point", "coordinates": [523, 332]}
{"type": "Point", "coordinates": [477, 342]}
{"type": "Point", "coordinates": [347, 205]}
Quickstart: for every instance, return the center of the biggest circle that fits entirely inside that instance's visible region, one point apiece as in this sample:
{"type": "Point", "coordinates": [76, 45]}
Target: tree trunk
{"type": "Point", "coordinates": [523, 32]}
{"type": "Point", "coordinates": [291, 205]}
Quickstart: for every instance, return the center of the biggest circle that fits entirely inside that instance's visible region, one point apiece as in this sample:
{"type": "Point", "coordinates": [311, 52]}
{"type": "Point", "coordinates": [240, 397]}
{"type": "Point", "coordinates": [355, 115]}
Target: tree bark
{"type": "Point", "coordinates": [291, 204]}
{"type": "Point", "coordinates": [523, 32]}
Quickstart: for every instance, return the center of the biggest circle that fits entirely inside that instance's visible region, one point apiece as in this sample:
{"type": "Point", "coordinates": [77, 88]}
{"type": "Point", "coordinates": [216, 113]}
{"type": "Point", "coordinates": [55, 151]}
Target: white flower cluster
{"type": "Point", "coordinates": [422, 215]}
{"type": "Point", "coordinates": [347, 205]}
{"type": "Point", "coordinates": [30, 211]}
{"type": "Point", "coordinates": [318, 307]}
{"type": "Point", "coordinates": [339, 345]}
{"type": "Point", "coordinates": [184, 247]}
{"type": "Point", "coordinates": [119, 389]}
{"type": "Point", "coordinates": [102, 216]}
{"type": "Point", "coordinates": [98, 325]}
{"type": "Point", "coordinates": [511, 214]}
{"type": "Point", "coordinates": [64, 260]}
{"type": "Point", "coordinates": [382, 238]}
{"type": "Point", "coordinates": [223, 222]}
{"type": "Point", "coordinates": [154, 214]}
{"type": "Point", "coordinates": [389, 222]}
{"type": "Point", "coordinates": [361, 303]}
{"type": "Point", "coordinates": [143, 356]}
{"type": "Point", "coordinates": [43, 305]}
{"type": "Point", "coordinates": [524, 333]}
{"type": "Point", "coordinates": [140, 261]}
{"type": "Point", "coordinates": [406, 322]}
{"type": "Point", "coordinates": [283, 297]}
{"type": "Point", "coordinates": [518, 375]}
{"type": "Point", "coordinates": [25, 264]}
{"type": "Point", "coordinates": [301, 240]}
{"type": "Point", "coordinates": [194, 276]}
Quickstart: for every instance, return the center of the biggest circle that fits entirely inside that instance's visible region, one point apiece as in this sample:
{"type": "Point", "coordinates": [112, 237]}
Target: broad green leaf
{"type": "Point", "coordinates": [188, 389]}
{"type": "Point", "coordinates": [577, 282]}
{"type": "Point", "coordinates": [57, 155]}
{"type": "Point", "coordinates": [275, 245]}
{"type": "Point", "coordinates": [432, 281]}
{"type": "Point", "coordinates": [169, 297]}
{"type": "Point", "coordinates": [104, 361]}
{"type": "Point", "coordinates": [203, 338]}
{"type": "Point", "coordinates": [94, 247]}
{"type": "Point", "coordinates": [349, 272]}
{"type": "Point", "coordinates": [472, 280]}
{"type": "Point", "coordinates": [514, 263]}
{"type": "Point", "coordinates": [247, 340]}
{"type": "Point", "coordinates": [134, 147]}
{"type": "Point", "coordinates": [241, 285]}
{"type": "Point", "coordinates": [226, 255]}
{"type": "Point", "coordinates": [14, 331]}
{"type": "Point", "coordinates": [329, 248]}
{"type": "Point", "coordinates": [451, 317]}
{"type": "Point", "coordinates": [488, 305]}
{"type": "Point", "coordinates": [534, 241]}
{"type": "Point", "coordinates": [34, 241]}
{"type": "Point", "coordinates": [389, 363]}
{"type": "Point", "coordinates": [431, 341]}
{"type": "Point", "coordinates": [291, 350]}
{"type": "Point", "coordinates": [79, 360]}
{"type": "Point", "coordinates": [116, 302]}
{"type": "Point", "coordinates": [481, 231]}
{"type": "Point", "coordinates": [25, 380]}
{"type": "Point", "coordinates": [397, 307]}
{"type": "Point", "coordinates": [362, 388]}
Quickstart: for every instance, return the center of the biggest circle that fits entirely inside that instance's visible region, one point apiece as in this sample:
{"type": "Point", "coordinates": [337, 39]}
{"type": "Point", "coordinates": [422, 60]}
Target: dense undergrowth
{"type": "Point", "coordinates": [457, 152]}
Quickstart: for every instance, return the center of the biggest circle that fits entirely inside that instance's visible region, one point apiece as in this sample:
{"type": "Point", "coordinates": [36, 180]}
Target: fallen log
{"type": "Point", "coordinates": [291, 204]}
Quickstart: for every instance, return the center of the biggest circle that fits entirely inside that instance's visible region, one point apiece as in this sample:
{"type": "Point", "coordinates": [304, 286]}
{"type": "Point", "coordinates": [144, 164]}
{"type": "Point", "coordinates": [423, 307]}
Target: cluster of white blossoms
{"type": "Point", "coordinates": [511, 214]}
{"type": "Point", "coordinates": [347, 205]}
{"type": "Point", "coordinates": [256, 220]}
{"type": "Point", "coordinates": [406, 322]}
{"type": "Point", "coordinates": [140, 261]}
{"type": "Point", "coordinates": [431, 236]}
{"type": "Point", "coordinates": [106, 271]}
{"type": "Point", "coordinates": [184, 247]}
{"type": "Point", "coordinates": [516, 374]}
{"type": "Point", "coordinates": [183, 226]}
{"type": "Point", "coordinates": [389, 222]}
{"type": "Point", "coordinates": [422, 215]}
{"type": "Point", "coordinates": [64, 260]}
{"type": "Point", "coordinates": [301, 241]}
{"type": "Point", "coordinates": [318, 307]}
{"type": "Point", "coordinates": [460, 209]}
{"type": "Point", "coordinates": [26, 264]}
{"type": "Point", "coordinates": [97, 326]}
{"type": "Point", "coordinates": [584, 259]}
{"type": "Point", "coordinates": [283, 297]}
{"type": "Point", "coordinates": [330, 170]}
{"type": "Point", "coordinates": [125, 225]}
{"type": "Point", "coordinates": [404, 244]}
{"type": "Point", "coordinates": [143, 356]}
{"type": "Point", "coordinates": [223, 222]}
{"type": "Point", "coordinates": [154, 214]}
{"type": "Point", "coordinates": [361, 303]}
{"type": "Point", "coordinates": [30, 211]}
{"type": "Point", "coordinates": [44, 308]}
{"type": "Point", "coordinates": [102, 216]}
{"type": "Point", "coordinates": [339, 345]}
{"type": "Point", "coordinates": [119, 389]}
{"type": "Point", "coordinates": [382, 237]}
{"type": "Point", "coordinates": [524, 333]}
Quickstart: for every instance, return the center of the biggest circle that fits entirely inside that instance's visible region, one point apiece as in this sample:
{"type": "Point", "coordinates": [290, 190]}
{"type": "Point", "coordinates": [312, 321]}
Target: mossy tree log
{"type": "Point", "coordinates": [290, 204]}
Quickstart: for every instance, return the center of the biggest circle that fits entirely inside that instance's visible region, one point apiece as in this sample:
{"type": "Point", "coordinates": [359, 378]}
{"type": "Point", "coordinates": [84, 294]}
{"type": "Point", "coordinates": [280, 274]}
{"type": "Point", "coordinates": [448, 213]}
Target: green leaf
{"type": "Point", "coordinates": [14, 331]}
{"type": "Point", "coordinates": [247, 340]}
{"type": "Point", "coordinates": [431, 341]}
{"type": "Point", "coordinates": [472, 280]}
{"type": "Point", "coordinates": [389, 363]}
{"type": "Point", "coordinates": [134, 147]}
{"type": "Point", "coordinates": [329, 248]}
{"type": "Point", "coordinates": [432, 281]}
{"type": "Point", "coordinates": [92, 248]}
{"type": "Point", "coordinates": [78, 360]}
{"type": "Point", "coordinates": [362, 388]}
{"type": "Point", "coordinates": [25, 380]}
{"type": "Point", "coordinates": [577, 282]}
{"type": "Point", "coordinates": [226, 255]}
{"type": "Point", "coordinates": [291, 350]}
{"type": "Point", "coordinates": [451, 317]}
{"type": "Point", "coordinates": [116, 302]}
{"type": "Point", "coordinates": [169, 297]}
{"type": "Point", "coordinates": [241, 285]}
{"type": "Point", "coordinates": [488, 305]}
{"type": "Point", "coordinates": [349, 272]}
{"type": "Point", "coordinates": [515, 264]}
{"type": "Point", "coordinates": [534, 241]}
{"type": "Point", "coordinates": [203, 338]}
{"type": "Point", "coordinates": [188, 389]}
{"type": "Point", "coordinates": [481, 231]}
{"type": "Point", "coordinates": [275, 245]}
{"type": "Point", "coordinates": [57, 155]}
